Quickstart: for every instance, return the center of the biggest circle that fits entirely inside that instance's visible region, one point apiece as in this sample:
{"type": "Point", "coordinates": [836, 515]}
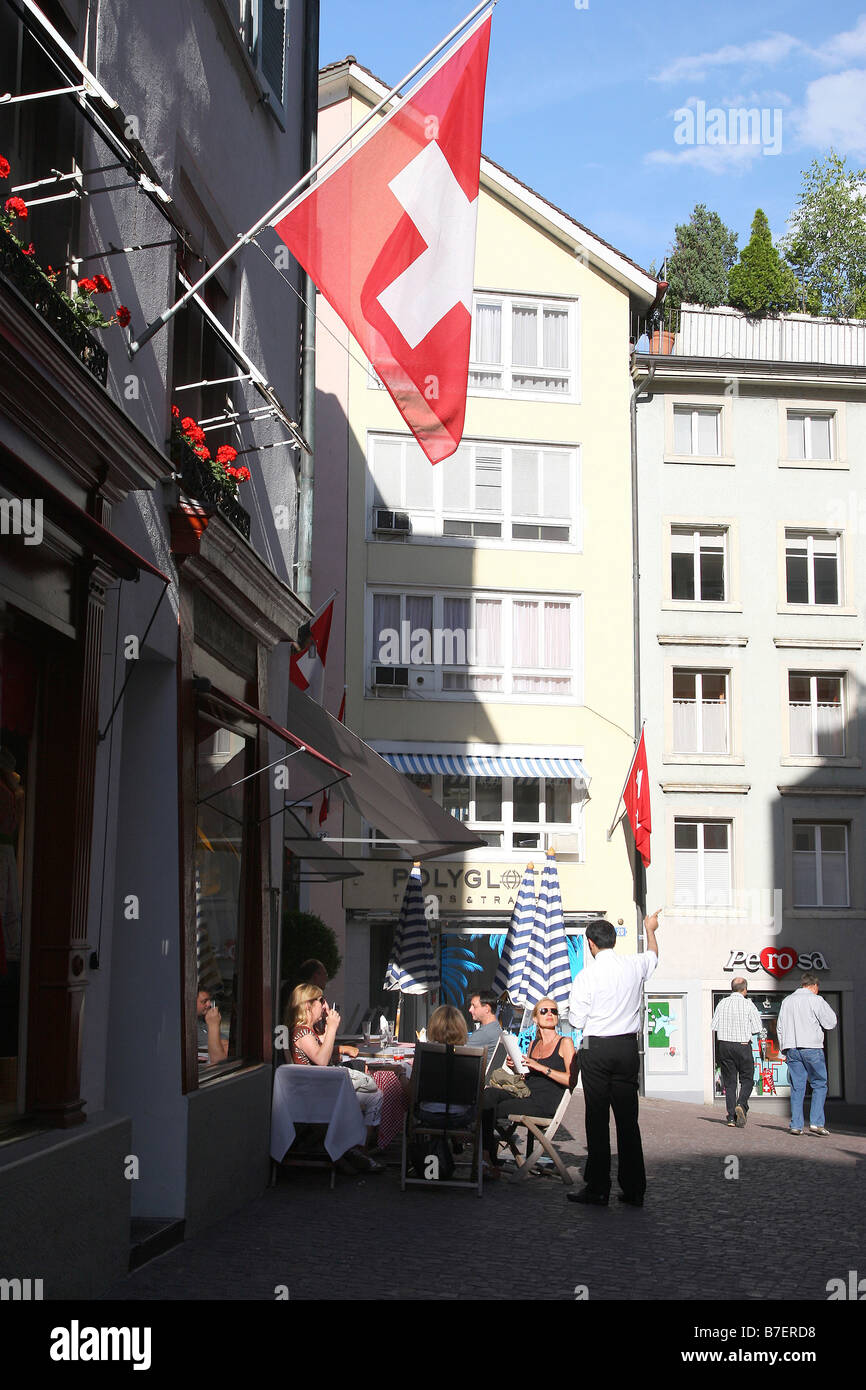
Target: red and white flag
{"type": "Point", "coordinates": [388, 236]}
{"type": "Point", "coordinates": [307, 667]}
{"type": "Point", "coordinates": [637, 801]}
{"type": "Point", "coordinates": [326, 800]}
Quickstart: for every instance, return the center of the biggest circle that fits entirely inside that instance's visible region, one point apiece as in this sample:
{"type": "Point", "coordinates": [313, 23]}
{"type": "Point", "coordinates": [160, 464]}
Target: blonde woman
{"type": "Point", "coordinates": [549, 1060]}
{"type": "Point", "coordinates": [308, 1047]}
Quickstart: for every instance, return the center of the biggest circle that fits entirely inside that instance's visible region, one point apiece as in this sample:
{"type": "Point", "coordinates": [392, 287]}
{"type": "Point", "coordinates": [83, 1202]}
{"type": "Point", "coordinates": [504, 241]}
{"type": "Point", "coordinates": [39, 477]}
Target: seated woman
{"type": "Point", "coordinates": [310, 1048]}
{"type": "Point", "coordinates": [549, 1060]}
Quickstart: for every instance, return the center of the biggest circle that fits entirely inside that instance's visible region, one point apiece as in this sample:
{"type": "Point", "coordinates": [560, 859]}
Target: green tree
{"type": "Point", "coordinates": [760, 283]}
{"type": "Point", "coordinates": [826, 247]}
{"type": "Point", "coordinates": [702, 257]}
{"type": "Point", "coordinates": [306, 937]}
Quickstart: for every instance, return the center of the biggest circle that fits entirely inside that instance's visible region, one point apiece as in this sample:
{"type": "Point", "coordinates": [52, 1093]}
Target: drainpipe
{"type": "Point", "coordinates": [308, 351]}
{"type": "Point", "coordinates": [639, 870]}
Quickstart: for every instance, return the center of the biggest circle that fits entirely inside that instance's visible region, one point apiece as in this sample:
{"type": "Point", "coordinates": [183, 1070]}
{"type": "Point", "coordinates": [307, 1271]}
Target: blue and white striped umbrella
{"type": "Point", "coordinates": [547, 972]}
{"type": "Point", "coordinates": [412, 967]}
{"type": "Point", "coordinates": [513, 958]}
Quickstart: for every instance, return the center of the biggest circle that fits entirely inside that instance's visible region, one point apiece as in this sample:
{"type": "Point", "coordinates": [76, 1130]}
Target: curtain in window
{"type": "Point", "coordinates": [386, 615]}
{"type": "Point", "coordinates": [524, 482]}
{"type": "Point", "coordinates": [820, 432]}
{"type": "Point", "coordinates": [796, 437]}
{"type": "Point", "coordinates": [488, 636]}
{"type": "Point", "coordinates": [555, 338]}
{"type": "Point", "coordinates": [714, 714]}
{"type": "Point", "coordinates": [387, 473]}
{"type": "Point", "coordinates": [830, 729]}
{"type": "Point", "coordinates": [488, 481]}
{"type": "Point", "coordinates": [708, 432]}
{"type": "Point", "coordinates": [455, 616]}
{"type": "Point", "coordinates": [524, 337]}
{"type": "Point", "coordinates": [682, 431]}
{"type": "Point", "coordinates": [419, 611]}
{"type": "Point", "coordinates": [685, 726]}
{"type": "Point", "coordinates": [805, 878]}
{"type": "Point", "coordinates": [557, 636]}
{"type": "Point", "coordinates": [557, 489]}
{"type": "Point", "coordinates": [801, 730]}
{"type": "Point", "coordinates": [526, 634]}
{"type": "Point", "coordinates": [488, 335]}
{"type": "Point", "coordinates": [419, 479]}
{"type": "Point", "coordinates": [456, 480]}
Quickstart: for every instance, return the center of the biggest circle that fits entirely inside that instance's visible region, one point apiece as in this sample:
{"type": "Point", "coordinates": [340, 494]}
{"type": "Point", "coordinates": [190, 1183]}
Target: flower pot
{"type": "Point", "coordinates": [661, 342]}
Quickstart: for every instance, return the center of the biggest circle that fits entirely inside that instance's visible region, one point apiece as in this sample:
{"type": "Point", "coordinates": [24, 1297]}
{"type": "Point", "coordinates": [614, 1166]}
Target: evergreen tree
{"type": "Point", "coordinates": [760, 283]}
{"type": "Point", "coordinates": [826, 247]}
{"type": "Point", "coordinates": [703, 255]}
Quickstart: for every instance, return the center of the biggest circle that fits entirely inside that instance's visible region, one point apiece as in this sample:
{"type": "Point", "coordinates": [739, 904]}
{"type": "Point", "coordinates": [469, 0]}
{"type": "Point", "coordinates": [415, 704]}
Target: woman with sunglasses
{"type": "Point", "coordinates": [549, 1060]}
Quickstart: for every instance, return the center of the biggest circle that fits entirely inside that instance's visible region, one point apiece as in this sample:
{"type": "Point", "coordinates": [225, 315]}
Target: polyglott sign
{"type": "Point", "coordinates": [776, 960]}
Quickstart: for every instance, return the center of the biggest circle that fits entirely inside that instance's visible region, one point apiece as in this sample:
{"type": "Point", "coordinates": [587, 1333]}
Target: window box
{"type": "Point", "coordinates": [196, 478]}
{"type": "Point", "coordinates": [28, 279]}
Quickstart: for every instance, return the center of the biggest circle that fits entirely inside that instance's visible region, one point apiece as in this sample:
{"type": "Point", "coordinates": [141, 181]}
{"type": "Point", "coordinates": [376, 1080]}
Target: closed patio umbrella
{"type": "Point", "coordinates": [511, 962]}
{"type": "Point", "coordinates": [412, 967]}
{"type": "Point", "coordinates": [547, 972]}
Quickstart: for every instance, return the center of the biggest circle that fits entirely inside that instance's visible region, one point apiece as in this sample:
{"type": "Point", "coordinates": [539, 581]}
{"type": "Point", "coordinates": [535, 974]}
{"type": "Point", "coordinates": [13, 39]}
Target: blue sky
{"type": "Point", "coordinates": [582, 102]}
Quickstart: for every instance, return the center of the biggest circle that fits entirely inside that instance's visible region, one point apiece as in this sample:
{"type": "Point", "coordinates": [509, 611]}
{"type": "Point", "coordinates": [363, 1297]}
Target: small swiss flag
{"type": "Point", "coordinates": [307, 668]}
{"type": "Point", "coordinates": [637, 801]}
{"type": "Point", "coordinates": [388, 236]}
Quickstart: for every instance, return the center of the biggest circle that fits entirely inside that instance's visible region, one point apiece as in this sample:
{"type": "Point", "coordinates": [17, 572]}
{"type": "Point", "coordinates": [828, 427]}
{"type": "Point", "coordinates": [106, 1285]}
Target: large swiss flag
{"type": "Point", "coordinates": [637, 801]}
{"type": "Point", "coordinates": [388, 236]}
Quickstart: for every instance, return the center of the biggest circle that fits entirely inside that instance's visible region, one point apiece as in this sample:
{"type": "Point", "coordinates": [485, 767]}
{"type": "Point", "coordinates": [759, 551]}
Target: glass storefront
{"type": "Point", "coordinates": [771, 1073]}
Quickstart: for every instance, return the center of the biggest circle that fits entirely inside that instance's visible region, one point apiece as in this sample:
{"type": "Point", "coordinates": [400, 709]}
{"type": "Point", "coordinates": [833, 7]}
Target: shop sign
{"type": "Point", "coordinates": [776, 960]}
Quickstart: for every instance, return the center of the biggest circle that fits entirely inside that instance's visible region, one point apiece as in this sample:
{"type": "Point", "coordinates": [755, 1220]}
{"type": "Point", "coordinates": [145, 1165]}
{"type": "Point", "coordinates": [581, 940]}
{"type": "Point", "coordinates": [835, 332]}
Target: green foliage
{"type": "Point", "coordinates": [760, 283]}
{"type": "Point", "coordinates": [826, 248]}
{"type": "Point", "coordinates": [703, 255]}
{"type": "Point", "coordinates": [306, 937]}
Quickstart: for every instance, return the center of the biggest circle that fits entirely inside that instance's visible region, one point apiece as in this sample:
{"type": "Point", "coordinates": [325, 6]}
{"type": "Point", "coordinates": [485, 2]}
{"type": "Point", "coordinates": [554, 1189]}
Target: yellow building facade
{"type": "Point", "coordinates": [518, 548]}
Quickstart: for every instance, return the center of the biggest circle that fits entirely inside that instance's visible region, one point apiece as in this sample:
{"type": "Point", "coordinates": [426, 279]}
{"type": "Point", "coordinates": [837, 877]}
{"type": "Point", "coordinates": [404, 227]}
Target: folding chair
{"type": "Point", "coordinates": [445, 1106]}
{"type": "Point", "coordinates": [543, 1129]}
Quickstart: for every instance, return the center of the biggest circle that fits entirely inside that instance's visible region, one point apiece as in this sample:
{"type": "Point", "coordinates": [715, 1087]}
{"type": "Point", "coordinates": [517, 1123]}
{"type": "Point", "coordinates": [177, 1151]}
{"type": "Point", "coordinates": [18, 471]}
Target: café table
{"type": "Point", "coordinates": [315, 1095]}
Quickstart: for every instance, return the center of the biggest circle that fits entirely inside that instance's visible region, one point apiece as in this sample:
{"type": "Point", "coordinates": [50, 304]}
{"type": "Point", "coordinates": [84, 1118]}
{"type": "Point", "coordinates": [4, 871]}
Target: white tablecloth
{"type": "Point", "coordinates": [315, 1095]}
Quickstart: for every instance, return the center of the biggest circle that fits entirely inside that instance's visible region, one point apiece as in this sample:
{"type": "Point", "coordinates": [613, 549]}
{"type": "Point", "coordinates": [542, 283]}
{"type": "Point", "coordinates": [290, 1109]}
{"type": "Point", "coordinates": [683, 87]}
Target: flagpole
{"type": "Point", "coordinates": [617, 819]}
{"type": "Point", "coordinates": [282, 204]}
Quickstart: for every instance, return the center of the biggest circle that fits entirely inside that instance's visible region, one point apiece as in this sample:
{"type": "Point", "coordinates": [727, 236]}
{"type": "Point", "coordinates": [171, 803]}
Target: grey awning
{"type": "Point", "coordinates": [418, 828]}
{"type": "Point", "coordinates": [320, 862]}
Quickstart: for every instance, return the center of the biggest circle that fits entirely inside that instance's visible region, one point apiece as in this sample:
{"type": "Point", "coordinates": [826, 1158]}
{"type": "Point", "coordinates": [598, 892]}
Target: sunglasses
{"type": "Point", "coordinates": [555, 1012]}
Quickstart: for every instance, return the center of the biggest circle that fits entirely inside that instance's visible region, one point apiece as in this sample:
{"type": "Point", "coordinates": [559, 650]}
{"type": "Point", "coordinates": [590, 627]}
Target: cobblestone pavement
{"type": "Point", "coordinates": [791, 1220]}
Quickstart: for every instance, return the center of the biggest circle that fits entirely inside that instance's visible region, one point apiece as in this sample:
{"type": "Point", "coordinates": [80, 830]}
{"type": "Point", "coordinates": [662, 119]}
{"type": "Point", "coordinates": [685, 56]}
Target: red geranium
{"type": "Point", "coordinates": [242, 474]}
{"type": "Point", "coordinates": [175, 412]}
{"type": "Point", "coordinates": [28, 250]}
{"type": "Point", "coordinates": [102, 283]}
{"type": "Point", "coordinates": [87, 286]}
{"type": "Point", "coordinates": [5, 167]}
{"type": "Point", "coordinates": [17, 207]}
{"type": "Point", "coordinates": [226, 454]}
{"type": "Point", "coordinates": [188, 423]}
{"type": "Point", "coordinates": [195, 434]}
{"type": "Point", "coordinates": [202, 452]}
{"type": "Point", "coordinates": [124, 317]}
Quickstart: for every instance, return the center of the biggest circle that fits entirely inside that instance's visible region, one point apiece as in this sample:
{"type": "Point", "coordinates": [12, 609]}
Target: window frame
{"type": "Point", "coordinates": [838, 432]}
{"type": "Point", "coordinates": [844, 570]}
{"type": "Point", "coordinates": [276, 101]}
{"type": "Point", "coordinates": [702, 820]}
{"type": "Point", "coordinates": [814, 675]}
{"type": "Point", "coordinates": [818, 826]}
{"type": "Point", "coordinates": [438, 514]}
{"type": "Point", "coordinates": [702, 526]}
{"type": "Point", "coordinates": [431, 684]}
{"type": "Point", "coordinates": [507, 303]}
{"type": "Point", "coordinates": [721, 404]}
{"type": "Point", "coordinates": [701, 754]}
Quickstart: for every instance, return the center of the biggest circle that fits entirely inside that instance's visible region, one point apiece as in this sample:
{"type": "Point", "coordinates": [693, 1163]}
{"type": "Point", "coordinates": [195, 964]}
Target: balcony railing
{"type": "Point", "coordinates": [690, 331]}
{"type": "Point", "coordinates": [199, 482]}
{"type": "Point", "coordinates": [20, 271]}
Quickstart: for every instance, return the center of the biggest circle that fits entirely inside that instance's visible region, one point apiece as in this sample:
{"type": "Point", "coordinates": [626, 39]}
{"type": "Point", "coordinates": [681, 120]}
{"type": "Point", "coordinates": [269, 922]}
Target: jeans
{"type": "Point", "coordinates": [803, 1063]}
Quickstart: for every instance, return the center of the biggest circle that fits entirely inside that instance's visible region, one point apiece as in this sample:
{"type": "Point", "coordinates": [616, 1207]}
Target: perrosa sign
{"type": "Point", "coordinates": [776, 960]}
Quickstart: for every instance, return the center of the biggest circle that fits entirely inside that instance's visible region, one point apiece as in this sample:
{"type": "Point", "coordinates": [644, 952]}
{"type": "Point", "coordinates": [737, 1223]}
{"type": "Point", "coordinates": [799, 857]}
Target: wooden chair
{"type": "Point", "coordinates": [542, 1128]}
{"type": "Point", "coordinates": [445, 1107]}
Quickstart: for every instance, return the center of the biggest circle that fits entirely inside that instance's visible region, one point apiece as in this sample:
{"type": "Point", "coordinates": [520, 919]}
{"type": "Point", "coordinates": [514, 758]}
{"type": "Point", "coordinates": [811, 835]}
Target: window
{"type": "Point", "coordinates": [485, 490]}
{"type": "Point", "coordinates": [813, 567]}
{"type": "Point", "coordinates": [820, 863]}
{"type": "Point", "coordinates": [816, 712]}
{"type": "Point", "coordinates": [463, 644]}
{"type": "Point", "coordinates": [269, 35]}
{"type": "Point", "coordinates": [513, 813]}
{"type": "Point", "coordinates": [702, 863]}
{"type": "Point", "coordinates": [699, 568]}
{"type": "Point", "coordinates": [521, 345]}
{"type": "Point", "coordinates": [810, 435]}
{"type": "Point", "coordinates": [697, 430]}
{"type": "Point", "coordinates": [701, 711]}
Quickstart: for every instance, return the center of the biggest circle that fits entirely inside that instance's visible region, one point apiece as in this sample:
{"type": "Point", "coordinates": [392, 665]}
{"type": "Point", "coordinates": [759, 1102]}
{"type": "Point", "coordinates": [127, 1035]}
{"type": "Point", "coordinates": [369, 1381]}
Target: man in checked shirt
{"type": "Point", "coordinates": [735, 1022]}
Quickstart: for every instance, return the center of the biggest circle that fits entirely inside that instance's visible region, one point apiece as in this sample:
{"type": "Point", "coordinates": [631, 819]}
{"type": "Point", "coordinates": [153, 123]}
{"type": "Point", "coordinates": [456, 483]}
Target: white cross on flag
{"type": "Point", "coordinates": [388, 236]}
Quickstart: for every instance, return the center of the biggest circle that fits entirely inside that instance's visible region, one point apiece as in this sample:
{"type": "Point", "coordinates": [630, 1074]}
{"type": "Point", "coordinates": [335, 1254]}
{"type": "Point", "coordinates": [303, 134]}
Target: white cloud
{"type": "Point", "coordinates": [842, 48]}
{"type": "Point", "coordinates": [713, 159]}
{"type": "Point", "coordinates": [834, 113]}
{"type": "Point", "coordinates": [764, 52]}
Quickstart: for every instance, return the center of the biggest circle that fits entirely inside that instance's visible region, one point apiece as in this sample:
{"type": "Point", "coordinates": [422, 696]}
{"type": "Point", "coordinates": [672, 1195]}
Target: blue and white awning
{"type": "Point", "coordinates": [493, 765]}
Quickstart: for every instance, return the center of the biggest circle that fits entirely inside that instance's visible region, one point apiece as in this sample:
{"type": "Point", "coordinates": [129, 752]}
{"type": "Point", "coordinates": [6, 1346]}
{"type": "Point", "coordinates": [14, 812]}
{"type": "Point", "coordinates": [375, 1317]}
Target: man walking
{"type": "Point", "coordinates": [606, 1003]}
{"type": "Point", "coordinates": [735, 1023]}
{"type": "Point", "coordinates": [803, 1018]}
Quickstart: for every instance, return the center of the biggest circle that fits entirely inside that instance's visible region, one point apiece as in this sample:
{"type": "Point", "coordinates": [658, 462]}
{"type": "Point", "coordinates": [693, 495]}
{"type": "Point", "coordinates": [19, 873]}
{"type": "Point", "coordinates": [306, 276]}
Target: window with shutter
{"type": "Point", "coordinates": [273, 22]}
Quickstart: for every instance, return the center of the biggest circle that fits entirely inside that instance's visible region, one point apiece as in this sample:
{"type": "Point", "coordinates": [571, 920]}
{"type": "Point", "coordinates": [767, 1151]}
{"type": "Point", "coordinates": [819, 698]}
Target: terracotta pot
{"type": "Point", "coordinates": [661, 343]}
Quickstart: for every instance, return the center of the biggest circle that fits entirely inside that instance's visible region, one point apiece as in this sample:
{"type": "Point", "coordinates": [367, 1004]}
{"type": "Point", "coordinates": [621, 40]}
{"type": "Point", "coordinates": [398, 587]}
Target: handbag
{"type": "Point", "coordinates": [507, 1081]}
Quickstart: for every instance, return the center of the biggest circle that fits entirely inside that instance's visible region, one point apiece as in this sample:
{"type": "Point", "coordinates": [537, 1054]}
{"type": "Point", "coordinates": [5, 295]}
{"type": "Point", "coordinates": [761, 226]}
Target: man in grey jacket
{"type": "Point", "coordinates": [803, 1018]}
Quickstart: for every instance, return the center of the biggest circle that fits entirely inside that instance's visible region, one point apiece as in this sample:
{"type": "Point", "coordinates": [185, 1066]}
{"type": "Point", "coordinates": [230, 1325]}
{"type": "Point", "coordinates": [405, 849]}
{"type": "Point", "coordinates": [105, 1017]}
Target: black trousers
{"type": "Point", "coordinates": [610, 1069]}
{"type": "Point", "coordinates": [736, 1062]}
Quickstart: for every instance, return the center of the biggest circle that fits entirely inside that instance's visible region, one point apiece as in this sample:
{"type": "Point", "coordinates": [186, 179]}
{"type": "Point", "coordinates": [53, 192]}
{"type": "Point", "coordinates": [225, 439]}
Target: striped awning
{"type": "Point", "coordinates": [478, 765]}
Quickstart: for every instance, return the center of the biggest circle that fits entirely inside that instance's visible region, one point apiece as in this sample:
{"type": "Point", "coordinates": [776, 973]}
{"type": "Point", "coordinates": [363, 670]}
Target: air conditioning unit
{"type": "Point", "coordinates": [390, 523]}
{"type": "Point", "coordinates": [390, 677]}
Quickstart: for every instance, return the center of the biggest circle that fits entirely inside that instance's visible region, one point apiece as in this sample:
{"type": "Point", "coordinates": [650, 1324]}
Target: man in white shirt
{"type": "Point", "coordinates": [606, 1003]}
{"type": "Point", "coordinates": [735, 1022]}
{"type": "Point", "coordinates": [802, 1020]}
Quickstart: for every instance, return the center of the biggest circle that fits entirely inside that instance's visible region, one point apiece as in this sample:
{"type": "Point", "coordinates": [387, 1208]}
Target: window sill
{"type": "Point", "coordinates": [832, 464]}
{"type": "Point", "coordinates": [694, 605]}
{"type": "Point", "coordinates": [836, 914]}
{"type": "Point", "coordinates": [703, 760]}
{"type": "Point", "coordinates": [727, 914]}
{"type": "Point", "coordinates": [820, 762]}
{"type": "Point", "coordinates": [705, 460]}
{"type": "Point", "coordinates": [818, 610]}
